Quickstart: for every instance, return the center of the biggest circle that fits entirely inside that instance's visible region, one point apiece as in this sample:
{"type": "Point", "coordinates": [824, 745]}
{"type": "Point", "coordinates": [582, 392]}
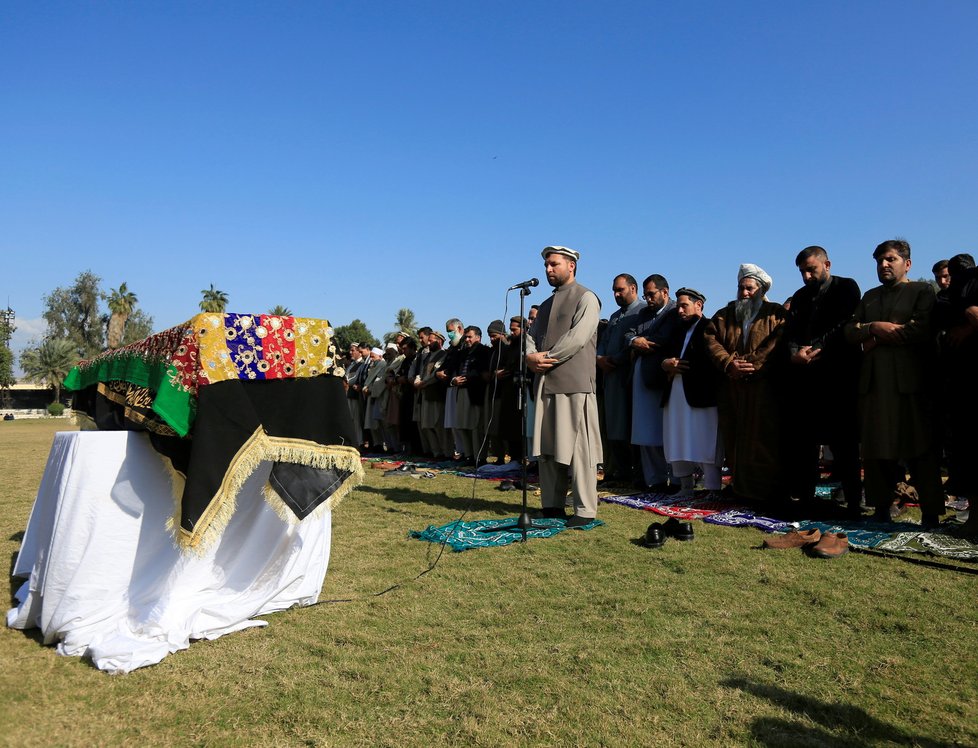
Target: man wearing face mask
{"type": "Point", "coordinates": [744, 340]}
{"type": "Point", "coordinates": [453, 359]}
{"type": "Point", "coordinates": [822, 362]}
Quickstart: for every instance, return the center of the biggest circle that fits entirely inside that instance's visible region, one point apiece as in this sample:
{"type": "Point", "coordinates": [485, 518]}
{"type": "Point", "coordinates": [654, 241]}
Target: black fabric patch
{"type": "Point", "coordinates": [303, 488]}
{"type": "Point", "coordinates": [229, 413]}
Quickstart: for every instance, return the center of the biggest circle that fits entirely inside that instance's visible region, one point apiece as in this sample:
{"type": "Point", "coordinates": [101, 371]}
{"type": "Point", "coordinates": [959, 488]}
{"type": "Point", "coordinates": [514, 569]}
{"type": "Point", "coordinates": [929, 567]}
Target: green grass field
{"type": "Point", "coordinates": [583, 639]}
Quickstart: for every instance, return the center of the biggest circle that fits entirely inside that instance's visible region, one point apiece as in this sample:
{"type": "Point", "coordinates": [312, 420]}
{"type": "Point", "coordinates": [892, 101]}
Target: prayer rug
{"type": "Point", "coordinates": [508, 470]}
{"type": "Point", "coordinates": [464, 536]}
{"type": "Point", "coordinates": [638, 501]}
{"type": "Point", "coordinates": [687, 509]}
{"type": "Point", "coordinates": [670, 506]}
{"type": "Point", "coordinates": [744, 518]}
{"type": "Point", "coordinates": [903, 537]}
{"type": "Point", "coordinates": [940, 544]}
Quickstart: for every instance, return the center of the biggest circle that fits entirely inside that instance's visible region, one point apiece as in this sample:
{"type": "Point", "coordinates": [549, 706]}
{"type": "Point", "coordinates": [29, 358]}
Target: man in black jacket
{"type": "Point", "coordinates": [471, 383]}
{"type": "Point", "coordinates": [690, 417]}
{"type": "Point", "coordinates": [822, 382]}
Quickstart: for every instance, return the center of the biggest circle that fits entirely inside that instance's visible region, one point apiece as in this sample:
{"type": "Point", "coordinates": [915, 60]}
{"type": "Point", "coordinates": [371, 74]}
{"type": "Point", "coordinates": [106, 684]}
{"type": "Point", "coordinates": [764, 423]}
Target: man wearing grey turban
{"type": "Point", "coordinates": [744, 343]}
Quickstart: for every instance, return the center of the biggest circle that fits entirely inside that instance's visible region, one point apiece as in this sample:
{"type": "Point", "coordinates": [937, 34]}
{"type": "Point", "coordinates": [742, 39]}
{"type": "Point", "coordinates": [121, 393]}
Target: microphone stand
{"type": "Point", "coordinates": [523, 523]}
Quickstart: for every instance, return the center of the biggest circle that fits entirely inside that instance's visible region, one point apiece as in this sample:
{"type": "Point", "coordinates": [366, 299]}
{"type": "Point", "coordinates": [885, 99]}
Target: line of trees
{"type": "Point", "coordinates": [77, 328]}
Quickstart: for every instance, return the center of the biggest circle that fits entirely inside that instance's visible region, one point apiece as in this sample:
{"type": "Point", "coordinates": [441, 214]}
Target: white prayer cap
{"type": "Point", "coordinates": [747, 270]}
{"type": "Point", "coordinates": [376, 351]}
{"type": "Point", "coordinates": [565, 251]}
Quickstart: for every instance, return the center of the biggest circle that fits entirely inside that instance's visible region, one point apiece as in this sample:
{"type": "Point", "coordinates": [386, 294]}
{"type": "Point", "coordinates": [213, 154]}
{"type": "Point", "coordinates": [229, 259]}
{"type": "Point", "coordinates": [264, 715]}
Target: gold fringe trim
{"type": "Point", "coordinates": [178, 482]}
{"type": "Point", "coordinates": [260, 447]}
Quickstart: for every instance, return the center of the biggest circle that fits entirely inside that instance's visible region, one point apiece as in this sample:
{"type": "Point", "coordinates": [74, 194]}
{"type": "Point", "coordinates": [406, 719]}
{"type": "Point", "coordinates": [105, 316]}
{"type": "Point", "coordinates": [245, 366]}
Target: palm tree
{"type": "Point", "coordinates": [280, 311]}
{"type": "Point", "coordinates": [404, 324]}
{"type": "Point", "coordinates": [121, 303]}
{"type": "Point", "coordinates": [49, 363]}
{"type": "Point", "coordinates": [214, 300]}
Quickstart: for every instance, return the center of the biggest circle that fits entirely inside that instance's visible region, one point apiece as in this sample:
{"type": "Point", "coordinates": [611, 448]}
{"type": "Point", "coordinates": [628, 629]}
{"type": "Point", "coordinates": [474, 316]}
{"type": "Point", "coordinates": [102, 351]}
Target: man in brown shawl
{"type": "Point", "coordinates": [744, 343]}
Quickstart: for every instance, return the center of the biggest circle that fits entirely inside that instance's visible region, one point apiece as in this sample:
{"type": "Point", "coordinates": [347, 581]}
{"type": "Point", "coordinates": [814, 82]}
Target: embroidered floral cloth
{"type": "Point", "coordinates": [212, 347]}
{"type": "Point", "coordinates": [218, 395]}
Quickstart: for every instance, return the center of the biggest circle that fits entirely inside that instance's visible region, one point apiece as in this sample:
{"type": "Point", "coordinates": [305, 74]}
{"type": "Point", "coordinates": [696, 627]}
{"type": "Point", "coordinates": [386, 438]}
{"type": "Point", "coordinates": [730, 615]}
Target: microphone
{"type": "Point", "coordinates": [525, 284]}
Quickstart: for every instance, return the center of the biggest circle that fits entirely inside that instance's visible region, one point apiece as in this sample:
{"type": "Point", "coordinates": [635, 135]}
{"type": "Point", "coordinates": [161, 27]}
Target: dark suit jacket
{"type": "Point", "coordinates": [472, 366]}
{"type": "Point", "coordinates": [701, 381]}
{"type": "Point", "coordinates": [818, 319]}
{"type": "Point", "coordinates": [656, 328]}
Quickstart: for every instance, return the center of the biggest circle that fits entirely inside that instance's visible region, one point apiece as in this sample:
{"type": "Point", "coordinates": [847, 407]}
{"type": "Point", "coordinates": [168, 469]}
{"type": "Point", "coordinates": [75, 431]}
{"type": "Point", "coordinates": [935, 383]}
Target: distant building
{"type": "Point", "coordinates": [27, 398]}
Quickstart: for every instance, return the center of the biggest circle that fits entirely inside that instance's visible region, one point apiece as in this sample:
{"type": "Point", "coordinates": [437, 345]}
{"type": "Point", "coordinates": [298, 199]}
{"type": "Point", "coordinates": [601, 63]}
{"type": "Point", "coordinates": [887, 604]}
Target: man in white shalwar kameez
{"type": "Point", "coordinates": [690, 417]}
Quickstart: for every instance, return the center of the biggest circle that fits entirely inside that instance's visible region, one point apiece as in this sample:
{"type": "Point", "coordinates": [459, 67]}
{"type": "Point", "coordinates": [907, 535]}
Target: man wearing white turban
{"type": "Point", "coordinates": [744, 342]}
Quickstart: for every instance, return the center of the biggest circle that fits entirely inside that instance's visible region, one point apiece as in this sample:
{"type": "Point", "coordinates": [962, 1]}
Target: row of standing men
{"type": "Point", "coordinates": [883, 379]}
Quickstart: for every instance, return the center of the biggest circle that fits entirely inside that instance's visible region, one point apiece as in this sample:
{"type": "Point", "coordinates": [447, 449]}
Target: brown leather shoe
{"type": "Point", "coordinates": [832, 545]}
{"type": "Point", "coordinates": [793, 539]}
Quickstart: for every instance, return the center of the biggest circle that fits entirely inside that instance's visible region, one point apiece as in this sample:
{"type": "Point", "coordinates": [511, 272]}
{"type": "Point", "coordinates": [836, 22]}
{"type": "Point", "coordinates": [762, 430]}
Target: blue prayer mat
{"type": "Point", "coordinates": [861, 534]}
{"type": "Point", "coordinates": [464, 536]}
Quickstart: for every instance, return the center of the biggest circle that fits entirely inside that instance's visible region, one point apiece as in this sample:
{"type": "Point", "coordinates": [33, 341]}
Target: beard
{"type": "Point", "coordinates": [745, 309]}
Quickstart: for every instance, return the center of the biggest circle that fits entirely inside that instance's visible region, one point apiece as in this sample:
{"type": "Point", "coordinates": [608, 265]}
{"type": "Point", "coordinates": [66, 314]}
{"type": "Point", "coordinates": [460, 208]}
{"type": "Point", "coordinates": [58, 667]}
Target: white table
{"type": "Point", "coordinates": [105, 579]}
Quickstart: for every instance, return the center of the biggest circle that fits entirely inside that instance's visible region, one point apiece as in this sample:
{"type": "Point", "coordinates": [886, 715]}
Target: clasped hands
{"type": "Point", "coordinates": [739, 369]}
{"type": "Point", "coordinates": [541, 362]}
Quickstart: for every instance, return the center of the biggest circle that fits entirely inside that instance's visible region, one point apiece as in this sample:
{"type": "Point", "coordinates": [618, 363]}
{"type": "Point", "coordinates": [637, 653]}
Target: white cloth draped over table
{"type": "Point", "coordinates": [105, 579]}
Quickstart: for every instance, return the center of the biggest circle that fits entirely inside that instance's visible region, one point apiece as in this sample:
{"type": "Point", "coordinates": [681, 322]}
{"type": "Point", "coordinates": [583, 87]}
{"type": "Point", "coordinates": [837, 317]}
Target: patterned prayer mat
{"type": "Point", "coordinates": [670, 506]}
{"type": "Point", "coordinates": [940, 544]}
{"type": "Point", "coordinates": [638, 500]}
{"type": "Point", "coordinates": [744, 518]}
{"type": "Point", "coordinates": [464, 536]}
{"type": "Point", "coordinates": [902, 537]}
{"type": "Point", "coordinates": [716, 512]}
{"type": "Point", "coordinates": [687, 509]}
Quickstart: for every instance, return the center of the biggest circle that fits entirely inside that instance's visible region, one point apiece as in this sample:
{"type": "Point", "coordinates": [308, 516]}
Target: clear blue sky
{"type": "Point", "coordinates": [347, 159]}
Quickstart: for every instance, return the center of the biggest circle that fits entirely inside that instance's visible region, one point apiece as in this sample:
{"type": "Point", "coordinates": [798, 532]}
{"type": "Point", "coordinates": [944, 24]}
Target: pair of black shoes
{"type": "Point", "coordinates": [659, 532]}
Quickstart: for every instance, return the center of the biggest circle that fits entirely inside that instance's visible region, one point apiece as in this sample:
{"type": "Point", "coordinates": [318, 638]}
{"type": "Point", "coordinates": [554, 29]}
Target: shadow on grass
{"type": "Point", "coordinates": [854, 727]}
{"type": "Point", "coordinates": [17, 537]}
{"type": "Point", "coordinates": [399, 495]}
{"type": "Point", "coordinates": [14, 583]}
